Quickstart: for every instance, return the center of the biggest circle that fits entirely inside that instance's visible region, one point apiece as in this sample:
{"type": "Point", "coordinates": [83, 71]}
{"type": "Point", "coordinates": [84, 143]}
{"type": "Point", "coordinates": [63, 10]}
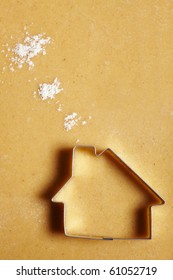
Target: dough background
{"type": "Point", "coordinates": [115, 62]}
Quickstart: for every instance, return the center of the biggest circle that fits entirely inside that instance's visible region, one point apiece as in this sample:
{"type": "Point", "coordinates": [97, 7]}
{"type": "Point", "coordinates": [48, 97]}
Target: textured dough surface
{"type": "Point", "coordinates": [115, 62]}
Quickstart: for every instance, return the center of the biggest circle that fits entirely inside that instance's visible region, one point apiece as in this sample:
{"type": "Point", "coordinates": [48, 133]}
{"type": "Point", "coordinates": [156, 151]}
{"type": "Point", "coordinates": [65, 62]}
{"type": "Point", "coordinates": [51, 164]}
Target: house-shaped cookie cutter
{"type": "Point", "coordinates": [132, 173]}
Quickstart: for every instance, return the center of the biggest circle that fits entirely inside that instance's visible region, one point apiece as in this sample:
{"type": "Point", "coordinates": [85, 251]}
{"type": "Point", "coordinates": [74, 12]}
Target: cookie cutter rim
{"type": "Point", "coordinates": [133, 173]}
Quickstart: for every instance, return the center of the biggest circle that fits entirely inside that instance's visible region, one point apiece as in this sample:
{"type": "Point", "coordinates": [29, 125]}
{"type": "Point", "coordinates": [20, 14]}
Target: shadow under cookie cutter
{"type": "Point", "coordinates": [132, 173]}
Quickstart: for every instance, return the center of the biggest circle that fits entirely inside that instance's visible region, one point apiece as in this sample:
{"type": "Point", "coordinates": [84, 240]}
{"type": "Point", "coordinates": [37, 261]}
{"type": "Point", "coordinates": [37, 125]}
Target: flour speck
{"type": "Point", "coordinates": [74, 119]}
{"type": "Point", "coordinates": [26, 51]}
{"type": "Point", "coordinates": [49, 90]}
{"type": "Point", "coordinates": [71, 120]}
{"type": "Point", "coordinates": [59, 109]}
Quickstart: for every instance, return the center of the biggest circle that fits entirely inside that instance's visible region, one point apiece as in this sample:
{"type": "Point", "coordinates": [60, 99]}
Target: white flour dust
{"type": "Point", "coordinates": [49, 90]}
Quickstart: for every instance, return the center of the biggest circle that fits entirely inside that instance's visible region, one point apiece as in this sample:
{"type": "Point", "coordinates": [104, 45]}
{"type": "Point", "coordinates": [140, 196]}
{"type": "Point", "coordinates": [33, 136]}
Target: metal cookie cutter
{"type": "Point", "coordinates": [108, 152]}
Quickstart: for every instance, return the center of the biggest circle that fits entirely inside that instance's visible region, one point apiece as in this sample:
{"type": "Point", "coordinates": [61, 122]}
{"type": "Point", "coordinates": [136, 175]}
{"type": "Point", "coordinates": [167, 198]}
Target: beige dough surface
{"type": "Point", "coordinates": [114, 60]}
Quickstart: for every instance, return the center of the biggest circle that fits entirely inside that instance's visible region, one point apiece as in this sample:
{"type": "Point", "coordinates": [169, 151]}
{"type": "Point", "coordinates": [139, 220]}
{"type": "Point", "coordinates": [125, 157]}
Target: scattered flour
{"type": "Point", "coordinates": [49, 90]}
{"type": "Point", "coordinates": [23, 53]}
{"type": "Point", "coordinates": [26, 51]}
{"type": "Point", "coordinates": [59, 109]}
{"type": "Point", "coordinates": [72, 120]}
